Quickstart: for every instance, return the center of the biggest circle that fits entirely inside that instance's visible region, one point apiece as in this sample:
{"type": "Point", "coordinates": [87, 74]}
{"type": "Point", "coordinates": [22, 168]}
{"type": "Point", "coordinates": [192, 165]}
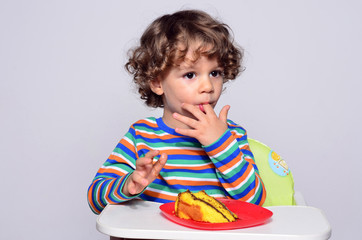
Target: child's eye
{"type": "Point", "coordinates": [189, 75]}
{"type": "Point", "coordinates": [215, 73]}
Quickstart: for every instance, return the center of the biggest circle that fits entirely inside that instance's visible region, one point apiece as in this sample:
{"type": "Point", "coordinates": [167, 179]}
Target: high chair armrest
{"type": "Point", "coordinates": [299, 199]}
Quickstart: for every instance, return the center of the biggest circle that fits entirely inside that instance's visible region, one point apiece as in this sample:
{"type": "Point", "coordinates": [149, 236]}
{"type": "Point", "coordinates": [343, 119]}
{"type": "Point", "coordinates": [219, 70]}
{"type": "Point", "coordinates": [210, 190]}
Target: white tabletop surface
{"type": "Point", "coordinates": [142, 219]}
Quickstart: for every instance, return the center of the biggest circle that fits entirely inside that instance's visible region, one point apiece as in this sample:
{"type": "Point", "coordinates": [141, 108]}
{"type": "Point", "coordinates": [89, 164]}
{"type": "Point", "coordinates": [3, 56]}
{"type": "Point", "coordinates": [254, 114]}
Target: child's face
{"type": "Point", "coordinates": [196, 83]}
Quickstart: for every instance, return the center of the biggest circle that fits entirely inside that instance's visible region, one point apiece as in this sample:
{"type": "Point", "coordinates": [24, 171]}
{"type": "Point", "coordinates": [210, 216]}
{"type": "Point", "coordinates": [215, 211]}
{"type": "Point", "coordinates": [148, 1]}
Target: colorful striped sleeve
{"type": "Point", "coordinates": [107, 184]}
{"type": "Point", "coordinates": [235, 166]}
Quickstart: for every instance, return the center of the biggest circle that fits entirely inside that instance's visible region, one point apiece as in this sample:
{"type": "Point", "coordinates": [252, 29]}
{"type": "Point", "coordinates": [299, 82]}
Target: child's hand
{"type": "Point", "coordinates": [207, 127]}
{"type": "Point", "coordinates": [145, 173]}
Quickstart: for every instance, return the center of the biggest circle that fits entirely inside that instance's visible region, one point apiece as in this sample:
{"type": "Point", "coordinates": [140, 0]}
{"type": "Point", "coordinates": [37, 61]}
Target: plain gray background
{"type": "Point", "coordinates": [66, 100]}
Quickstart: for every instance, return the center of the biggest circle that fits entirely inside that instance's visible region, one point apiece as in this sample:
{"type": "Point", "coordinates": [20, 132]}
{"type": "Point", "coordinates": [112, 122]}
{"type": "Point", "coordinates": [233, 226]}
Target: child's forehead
{"type": "Point", "coordinates": [190, 63]}
{"type": "Point", "coordinates": [193, 55]}
{"type": "Point", "coordinates": [193, 48]}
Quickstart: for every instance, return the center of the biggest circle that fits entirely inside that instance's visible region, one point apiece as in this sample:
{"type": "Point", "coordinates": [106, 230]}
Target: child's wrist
{"type": "Point", "coordinates": [125, 187]}
{"type": "Point", "coordinates": [216, 140]}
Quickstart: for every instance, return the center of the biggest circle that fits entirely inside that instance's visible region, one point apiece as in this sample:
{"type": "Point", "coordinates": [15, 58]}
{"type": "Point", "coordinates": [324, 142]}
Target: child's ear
{"type": "Point", "coordinates": [156, 86]}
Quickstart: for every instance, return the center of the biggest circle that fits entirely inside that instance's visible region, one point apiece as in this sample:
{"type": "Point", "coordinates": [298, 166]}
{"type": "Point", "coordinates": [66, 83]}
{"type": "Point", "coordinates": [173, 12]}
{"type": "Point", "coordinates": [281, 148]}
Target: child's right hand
{"type": "Point", "coordinates": [146, 172]}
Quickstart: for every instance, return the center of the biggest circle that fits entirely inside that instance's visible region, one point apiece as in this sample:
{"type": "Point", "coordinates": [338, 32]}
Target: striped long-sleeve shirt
{"type": "Point", "coordinates": [225, 168]}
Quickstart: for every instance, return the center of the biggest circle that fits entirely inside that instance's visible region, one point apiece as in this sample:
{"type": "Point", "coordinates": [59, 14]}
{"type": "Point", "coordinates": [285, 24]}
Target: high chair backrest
{"type": "Point", "coordinates": [275, 173]}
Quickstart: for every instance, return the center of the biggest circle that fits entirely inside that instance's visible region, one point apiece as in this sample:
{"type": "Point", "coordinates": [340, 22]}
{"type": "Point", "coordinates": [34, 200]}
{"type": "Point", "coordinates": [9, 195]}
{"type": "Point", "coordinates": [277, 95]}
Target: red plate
{"type": "Point", "coordinates": [249, 215]}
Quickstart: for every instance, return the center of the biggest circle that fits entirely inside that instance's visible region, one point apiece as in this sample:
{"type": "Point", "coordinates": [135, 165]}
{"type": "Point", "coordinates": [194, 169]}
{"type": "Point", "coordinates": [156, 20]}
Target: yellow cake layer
{"type": "Point", "coordinates": [217, 204]}
{"type": "Point", "coordinates": [202, 207]}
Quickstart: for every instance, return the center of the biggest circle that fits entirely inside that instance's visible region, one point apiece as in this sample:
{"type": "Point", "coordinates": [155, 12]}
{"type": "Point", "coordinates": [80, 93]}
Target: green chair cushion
{"type": "Point", "coordinates": [275, 173]}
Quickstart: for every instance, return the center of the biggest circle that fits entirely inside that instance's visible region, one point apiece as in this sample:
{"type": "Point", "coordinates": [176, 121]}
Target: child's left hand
{"type": "Point", "coordinates": [207, 127]}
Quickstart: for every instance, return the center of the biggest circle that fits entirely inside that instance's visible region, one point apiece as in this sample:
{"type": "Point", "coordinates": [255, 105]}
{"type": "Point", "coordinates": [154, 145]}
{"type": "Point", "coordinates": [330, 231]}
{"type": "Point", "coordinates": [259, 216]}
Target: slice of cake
{"type": "Point", "coordinates": [202, 207]}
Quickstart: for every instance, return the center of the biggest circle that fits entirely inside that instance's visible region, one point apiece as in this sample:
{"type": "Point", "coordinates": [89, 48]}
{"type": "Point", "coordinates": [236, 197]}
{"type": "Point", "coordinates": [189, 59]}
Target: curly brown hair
{"type": "Point", "coordinates": [160, 49]}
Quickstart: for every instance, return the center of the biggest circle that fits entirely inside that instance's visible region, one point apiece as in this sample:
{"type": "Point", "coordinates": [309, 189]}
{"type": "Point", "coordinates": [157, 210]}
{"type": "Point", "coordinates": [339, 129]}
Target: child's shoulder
{"type": "Point", "coordinates": [148, 121]}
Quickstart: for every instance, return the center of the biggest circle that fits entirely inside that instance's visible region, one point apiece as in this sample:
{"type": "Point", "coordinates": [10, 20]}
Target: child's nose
{"type": "Point", "coordinates": [206, 85]}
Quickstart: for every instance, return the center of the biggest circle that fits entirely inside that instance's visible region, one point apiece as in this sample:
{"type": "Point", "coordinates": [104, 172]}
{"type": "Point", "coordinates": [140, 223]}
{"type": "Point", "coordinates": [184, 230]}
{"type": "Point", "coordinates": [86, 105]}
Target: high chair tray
{"type": "Point", "coordinates": [249, 215]}
{"type": "Point", "coordinates": [142, 219]}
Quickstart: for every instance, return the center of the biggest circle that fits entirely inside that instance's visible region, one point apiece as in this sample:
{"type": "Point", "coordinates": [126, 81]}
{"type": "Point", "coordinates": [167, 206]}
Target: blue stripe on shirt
{"type": "Point", "coordinates": [208, 170]}
{"type": "Point", "coordinates": [236, 176]}
{"type": "Point", "coordinates": [217, 144]}
{"type": "Point", "coordinates": [246, 191]}
{"type": "Point", "coordinates": [126, 150]}
{"type": "Point", "coordinates": [230, 158]}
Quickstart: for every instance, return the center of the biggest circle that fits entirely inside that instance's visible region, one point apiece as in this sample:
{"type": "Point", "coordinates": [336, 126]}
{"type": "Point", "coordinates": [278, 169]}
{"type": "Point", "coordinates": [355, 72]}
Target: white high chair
{"type": "Point", "coordinates": [288, 222]}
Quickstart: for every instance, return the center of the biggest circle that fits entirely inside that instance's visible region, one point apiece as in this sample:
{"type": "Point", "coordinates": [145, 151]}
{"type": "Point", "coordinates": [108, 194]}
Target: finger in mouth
{"type": "Point", "coordinates": [201, 106]}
